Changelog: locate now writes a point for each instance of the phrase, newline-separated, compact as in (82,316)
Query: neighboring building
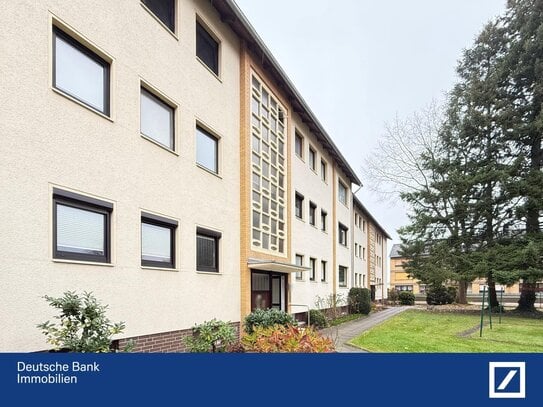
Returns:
(399,279)
(155,154)
(369,254)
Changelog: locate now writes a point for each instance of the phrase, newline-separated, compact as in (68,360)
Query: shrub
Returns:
(266,318)
(439,295)
(331,305)
(406,298)
(292,339)
(453,292)
(211,337)
(317,318)
(359,300)
(82,324)
(393,295)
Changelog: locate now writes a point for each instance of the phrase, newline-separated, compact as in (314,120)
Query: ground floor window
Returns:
(207,250)
(157,241)
(81,227)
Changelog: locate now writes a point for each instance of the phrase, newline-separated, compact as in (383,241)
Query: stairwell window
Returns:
(342,276)
(81,227)
(323,271)
(299,206)
(313,270)
(312,159)
(299,262)
(80,73)
(312,214)
(342,193)
(299,145)
(323,220)
(342,235)
(207,48)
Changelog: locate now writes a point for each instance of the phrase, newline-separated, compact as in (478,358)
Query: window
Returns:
(299,262)
(164,10)
(312,159)
(81,227)
(299,145)
(207,150)
(342,234)
(157,119)
(323,220)
(313,271)
(323,271)
(207,250)
(324,175)
(207,48)
(157,241)
(342,277)
(356,249)
(363,225)
(299,206)
(80,73)
(342,193)
(364,253)
(312,210)
(404,288)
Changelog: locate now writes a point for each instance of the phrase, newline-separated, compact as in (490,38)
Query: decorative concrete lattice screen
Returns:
(268,124)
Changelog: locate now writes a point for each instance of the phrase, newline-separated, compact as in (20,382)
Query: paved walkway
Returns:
(343,333)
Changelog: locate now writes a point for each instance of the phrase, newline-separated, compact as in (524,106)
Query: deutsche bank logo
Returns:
(506,380)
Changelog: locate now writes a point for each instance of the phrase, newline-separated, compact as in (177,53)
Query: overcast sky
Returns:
(359,63)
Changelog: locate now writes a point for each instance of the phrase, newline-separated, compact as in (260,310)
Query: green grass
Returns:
(419,331)
(345,318)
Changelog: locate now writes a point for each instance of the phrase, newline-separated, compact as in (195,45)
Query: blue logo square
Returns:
(507,379)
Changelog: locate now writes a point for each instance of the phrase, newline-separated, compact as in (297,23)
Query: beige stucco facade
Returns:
(311,241)
(51,141)
(48,140)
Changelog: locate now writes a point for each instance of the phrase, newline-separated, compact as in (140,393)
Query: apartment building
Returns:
(399,279)
(369,252)
(169,166)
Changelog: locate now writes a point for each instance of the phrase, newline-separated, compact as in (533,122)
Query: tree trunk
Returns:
(462,292)
(492,297)
(527,297)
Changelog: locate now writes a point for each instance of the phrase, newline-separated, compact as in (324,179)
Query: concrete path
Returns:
(343,333)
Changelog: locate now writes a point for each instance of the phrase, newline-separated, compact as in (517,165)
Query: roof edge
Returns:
(255,38)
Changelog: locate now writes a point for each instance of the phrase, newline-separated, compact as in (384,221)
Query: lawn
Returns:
(420,331)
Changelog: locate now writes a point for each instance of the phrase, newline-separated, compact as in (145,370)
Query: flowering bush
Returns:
(290,339)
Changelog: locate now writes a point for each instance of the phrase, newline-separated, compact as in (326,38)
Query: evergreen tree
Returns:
(523,70)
